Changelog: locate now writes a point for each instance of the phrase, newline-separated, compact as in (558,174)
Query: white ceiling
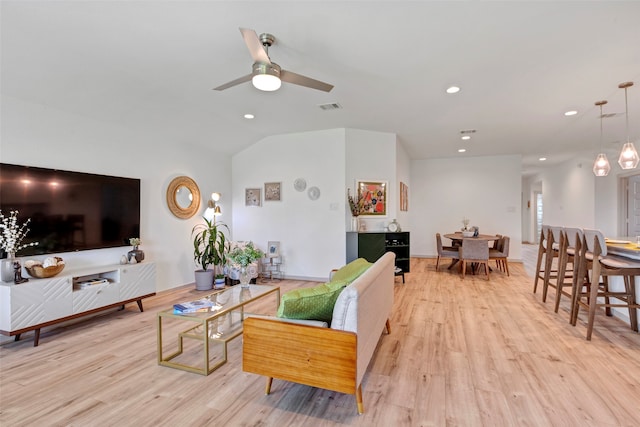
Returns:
(151,65)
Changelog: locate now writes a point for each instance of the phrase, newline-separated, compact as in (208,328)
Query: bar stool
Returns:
(553,252)
(566,256)
(603,265)
(542,251)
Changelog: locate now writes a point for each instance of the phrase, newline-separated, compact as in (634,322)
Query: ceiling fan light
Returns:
(601,166)
(628,156)
(266,82)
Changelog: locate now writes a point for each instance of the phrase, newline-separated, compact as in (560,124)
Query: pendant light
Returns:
(601,166)
(628,156)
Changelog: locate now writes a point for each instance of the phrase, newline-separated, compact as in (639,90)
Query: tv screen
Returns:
(70,211)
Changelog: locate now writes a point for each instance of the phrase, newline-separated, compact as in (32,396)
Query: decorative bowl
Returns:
(40,272)
(468,233)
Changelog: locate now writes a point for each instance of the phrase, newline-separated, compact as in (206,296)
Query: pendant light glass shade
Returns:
(601,166)
(628,156)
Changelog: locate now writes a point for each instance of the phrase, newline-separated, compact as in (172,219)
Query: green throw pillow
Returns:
(311,303)
(351,271)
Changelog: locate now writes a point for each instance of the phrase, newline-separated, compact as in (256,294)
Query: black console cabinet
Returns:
(372,246)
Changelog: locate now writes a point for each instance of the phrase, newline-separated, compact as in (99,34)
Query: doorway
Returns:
(633,206)
(539,211)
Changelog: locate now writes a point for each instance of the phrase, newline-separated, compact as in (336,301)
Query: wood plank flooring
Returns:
(461,353)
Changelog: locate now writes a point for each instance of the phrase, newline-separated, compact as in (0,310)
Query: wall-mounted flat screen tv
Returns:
(70,211)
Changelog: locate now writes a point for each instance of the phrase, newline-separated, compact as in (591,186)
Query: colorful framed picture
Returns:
(373,196)
(252,197)
(272,191)
(404,197)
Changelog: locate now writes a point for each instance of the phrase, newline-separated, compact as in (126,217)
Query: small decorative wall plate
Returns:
(314,193)
(300,184)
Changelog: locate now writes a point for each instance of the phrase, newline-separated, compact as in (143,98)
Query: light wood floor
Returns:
(461,353)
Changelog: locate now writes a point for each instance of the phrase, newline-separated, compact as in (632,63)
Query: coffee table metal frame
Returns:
(238,297)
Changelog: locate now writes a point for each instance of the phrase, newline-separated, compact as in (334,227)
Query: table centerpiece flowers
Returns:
(242,256)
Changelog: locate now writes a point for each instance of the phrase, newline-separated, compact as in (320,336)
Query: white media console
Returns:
(38,303)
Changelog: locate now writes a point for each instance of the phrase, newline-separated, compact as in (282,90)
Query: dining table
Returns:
(457,238)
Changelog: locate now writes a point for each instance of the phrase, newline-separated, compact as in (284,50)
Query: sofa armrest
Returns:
(310,355)
(318,323)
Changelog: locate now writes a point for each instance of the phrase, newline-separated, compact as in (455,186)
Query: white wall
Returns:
(38,135)
(403,174)
(371,156)
(311,232)
(568,194)
(487,190)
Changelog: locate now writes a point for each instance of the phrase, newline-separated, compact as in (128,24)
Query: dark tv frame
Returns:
(97,211)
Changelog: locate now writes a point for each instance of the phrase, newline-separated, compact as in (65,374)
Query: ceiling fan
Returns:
(267,75)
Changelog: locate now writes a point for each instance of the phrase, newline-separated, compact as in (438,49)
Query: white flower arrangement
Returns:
(13,234)
(465,222)
(134,241)
(243,255)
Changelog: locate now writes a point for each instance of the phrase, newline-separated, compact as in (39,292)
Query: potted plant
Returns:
(242,256)
(219,281)
(209,248)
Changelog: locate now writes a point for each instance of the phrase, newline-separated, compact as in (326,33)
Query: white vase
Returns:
(8,273)
(245,277)
(355,224)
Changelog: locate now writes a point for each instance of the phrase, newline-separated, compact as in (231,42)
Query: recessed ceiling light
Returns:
(453,89)
(466,137)
(249,116)
(571,113)
(462,150)
(542,159)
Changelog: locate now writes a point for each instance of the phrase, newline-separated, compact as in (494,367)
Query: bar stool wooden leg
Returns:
(630,285)
(593,297)
(541,252)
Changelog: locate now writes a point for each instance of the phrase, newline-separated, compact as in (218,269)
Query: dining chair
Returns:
(594,293)
(474,251)
(444,251)
(501,253)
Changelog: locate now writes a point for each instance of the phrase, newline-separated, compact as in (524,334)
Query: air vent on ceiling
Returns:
(468,131)
(331,106)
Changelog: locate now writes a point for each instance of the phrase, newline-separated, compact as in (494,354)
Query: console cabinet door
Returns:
(137,280)
(95,297)
(34,302)
(371,246)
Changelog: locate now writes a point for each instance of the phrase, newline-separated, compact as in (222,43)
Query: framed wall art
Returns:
(273,249)
(404,197)
(272,191)
(373,196)
(252,197)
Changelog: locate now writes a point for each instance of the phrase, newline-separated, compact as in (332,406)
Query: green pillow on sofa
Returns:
(351,271)
(311,303)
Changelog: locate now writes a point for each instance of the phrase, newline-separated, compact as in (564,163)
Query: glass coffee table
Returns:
(211,329)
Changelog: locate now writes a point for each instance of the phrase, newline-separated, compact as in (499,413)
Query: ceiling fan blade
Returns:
(255,47)
(297,79)
(234,82)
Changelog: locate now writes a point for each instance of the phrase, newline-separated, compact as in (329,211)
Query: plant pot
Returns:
(204,280)
(219,282)
(135,253)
